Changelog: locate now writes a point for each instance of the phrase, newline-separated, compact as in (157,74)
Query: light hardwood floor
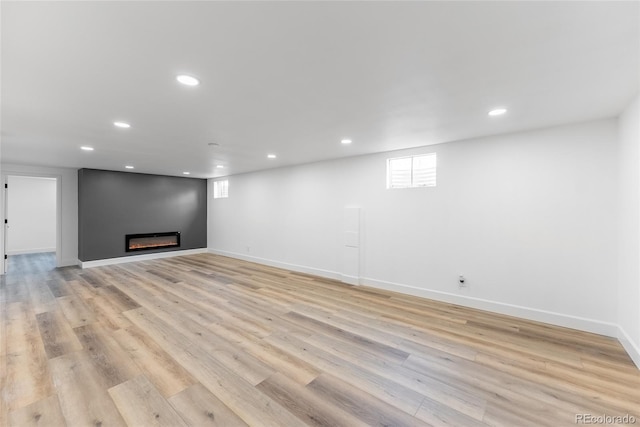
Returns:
(207,340)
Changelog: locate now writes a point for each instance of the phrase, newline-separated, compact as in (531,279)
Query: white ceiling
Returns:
(294,78)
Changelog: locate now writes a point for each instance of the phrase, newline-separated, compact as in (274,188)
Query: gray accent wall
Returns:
(113,204)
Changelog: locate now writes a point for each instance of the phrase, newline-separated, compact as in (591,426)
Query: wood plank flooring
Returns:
(205,340)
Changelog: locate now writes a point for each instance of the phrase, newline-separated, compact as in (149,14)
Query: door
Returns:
(31,217)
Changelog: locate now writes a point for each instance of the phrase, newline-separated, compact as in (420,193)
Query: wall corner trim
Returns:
(145,257)
(632,349)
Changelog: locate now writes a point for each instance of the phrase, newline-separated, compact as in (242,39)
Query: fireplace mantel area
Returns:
(122,214)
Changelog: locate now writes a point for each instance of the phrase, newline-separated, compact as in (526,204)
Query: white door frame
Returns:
(58,178)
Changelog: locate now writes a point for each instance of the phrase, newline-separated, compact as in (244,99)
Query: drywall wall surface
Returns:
(629,226)
(529,219)
(31,211)
(113,204)
(67,214)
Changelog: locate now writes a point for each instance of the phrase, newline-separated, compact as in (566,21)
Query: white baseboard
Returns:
(132,258)
(553,318)
(30,251)
(632,349)
(559,319)
(352,280)
(293,267)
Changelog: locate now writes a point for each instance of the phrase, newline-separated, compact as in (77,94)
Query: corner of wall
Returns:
(632,350)
(628,280)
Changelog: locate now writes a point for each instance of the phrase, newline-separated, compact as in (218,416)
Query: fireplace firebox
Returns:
(148,241)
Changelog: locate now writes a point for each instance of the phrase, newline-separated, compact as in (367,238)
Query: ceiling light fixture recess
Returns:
(187,80)
(123,125)
(345,141)
(497,111)
(220,166)
(85,148)
(271,156)
(128,167)
(186,173)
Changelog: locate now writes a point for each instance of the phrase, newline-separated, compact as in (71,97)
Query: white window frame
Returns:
(221,189)
(411,181)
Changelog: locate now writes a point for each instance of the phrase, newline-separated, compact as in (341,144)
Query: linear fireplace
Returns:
(148,241)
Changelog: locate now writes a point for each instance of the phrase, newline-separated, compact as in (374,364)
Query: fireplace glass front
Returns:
(148,241)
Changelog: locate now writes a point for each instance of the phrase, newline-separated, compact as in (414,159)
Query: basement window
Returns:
(220,189)
(412,171)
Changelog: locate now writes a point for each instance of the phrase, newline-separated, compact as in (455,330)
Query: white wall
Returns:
(67,214)
(31,210)
(528,218)
(629,230)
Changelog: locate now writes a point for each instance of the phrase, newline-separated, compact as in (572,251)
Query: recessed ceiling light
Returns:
(186,173)
(220,166)
(271,156)
(346,141)
(122,125)
(85,148)
(187,80)
(129,167)
(497,112)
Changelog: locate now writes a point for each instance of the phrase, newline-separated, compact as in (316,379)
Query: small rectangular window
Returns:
(411,172)
(220,189)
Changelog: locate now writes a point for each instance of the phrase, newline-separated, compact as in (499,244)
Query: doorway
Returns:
(31,218)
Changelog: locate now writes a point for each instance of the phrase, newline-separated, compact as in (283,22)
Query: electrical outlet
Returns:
(462,282)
